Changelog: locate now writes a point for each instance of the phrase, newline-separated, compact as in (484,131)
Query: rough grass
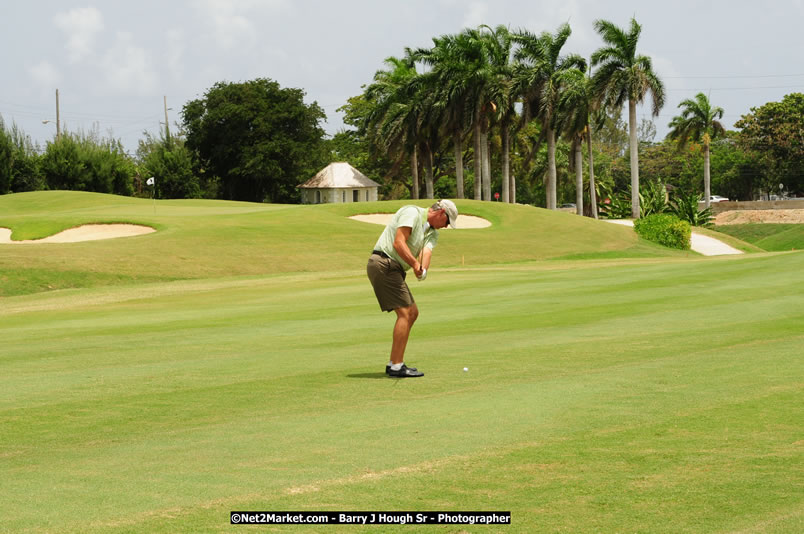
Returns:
(658,394)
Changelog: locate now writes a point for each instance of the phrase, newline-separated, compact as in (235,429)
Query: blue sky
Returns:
(113,62)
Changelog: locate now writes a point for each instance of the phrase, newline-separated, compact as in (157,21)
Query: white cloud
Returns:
(233,21)
(230,26)
(45,74)
(81,25)
(175,53)
(127,68)
(476,14)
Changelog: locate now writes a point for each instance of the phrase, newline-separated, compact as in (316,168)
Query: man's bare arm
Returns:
(401,247)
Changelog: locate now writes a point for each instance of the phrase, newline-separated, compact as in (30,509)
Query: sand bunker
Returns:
(87,232)
(464,221)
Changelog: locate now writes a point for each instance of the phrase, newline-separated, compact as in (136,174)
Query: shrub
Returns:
(652,200)
(685,207)
(82,162)
(170,163)
(665,229)
(612,205)
(19,162)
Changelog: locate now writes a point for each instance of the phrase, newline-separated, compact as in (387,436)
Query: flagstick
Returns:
(152,182)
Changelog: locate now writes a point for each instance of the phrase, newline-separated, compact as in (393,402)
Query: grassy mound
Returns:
(208,239)
(772,237)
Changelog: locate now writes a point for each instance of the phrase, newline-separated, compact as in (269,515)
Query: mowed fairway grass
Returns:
(233,360)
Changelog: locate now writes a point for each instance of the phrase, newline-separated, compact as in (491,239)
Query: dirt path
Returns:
(760,216)
(702,244)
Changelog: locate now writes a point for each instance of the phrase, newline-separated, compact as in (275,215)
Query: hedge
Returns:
(667,230)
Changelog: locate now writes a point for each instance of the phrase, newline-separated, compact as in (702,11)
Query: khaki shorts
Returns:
(388,279)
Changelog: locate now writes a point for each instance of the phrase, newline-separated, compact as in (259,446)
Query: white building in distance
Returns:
(338,182)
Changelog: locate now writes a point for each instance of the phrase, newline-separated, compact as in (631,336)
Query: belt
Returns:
(380,253)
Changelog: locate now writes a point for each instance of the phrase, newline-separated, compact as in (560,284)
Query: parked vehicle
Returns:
(717,198)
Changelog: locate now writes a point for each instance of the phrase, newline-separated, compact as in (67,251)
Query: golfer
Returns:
(406,243)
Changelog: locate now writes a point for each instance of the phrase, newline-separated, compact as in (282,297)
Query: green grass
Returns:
(768,236)
(198,239)
(614,394)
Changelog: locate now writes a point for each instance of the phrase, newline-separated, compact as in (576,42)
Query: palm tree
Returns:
(487,43)
(625,76)
(575,108)
(502,94)
(539,74)
(698,121)
(460,68)
(393,124)
(451,77)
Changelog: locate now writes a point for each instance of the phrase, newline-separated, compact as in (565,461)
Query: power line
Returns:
(741,88)
(744,76)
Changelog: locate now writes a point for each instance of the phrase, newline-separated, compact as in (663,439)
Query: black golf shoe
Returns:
(388,369)
(403,372)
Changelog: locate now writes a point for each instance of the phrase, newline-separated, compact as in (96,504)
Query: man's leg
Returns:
(405,317)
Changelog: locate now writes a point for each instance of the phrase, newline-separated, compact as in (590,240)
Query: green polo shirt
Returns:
(421,234)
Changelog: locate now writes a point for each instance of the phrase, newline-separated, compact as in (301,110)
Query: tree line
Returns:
(484,111)
(488,90)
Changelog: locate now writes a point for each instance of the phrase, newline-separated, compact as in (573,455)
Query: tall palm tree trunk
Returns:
(512,187)
(478,162)
(512,178)
(505,163)
(592,191)
(458,150)
(552,199)
(484,140)
(578,178)
(414,171)
(632,125)
(428,172)
(707,177)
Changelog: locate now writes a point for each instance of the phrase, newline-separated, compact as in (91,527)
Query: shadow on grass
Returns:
(368,375)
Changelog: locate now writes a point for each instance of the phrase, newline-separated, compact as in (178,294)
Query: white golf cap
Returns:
(451,209)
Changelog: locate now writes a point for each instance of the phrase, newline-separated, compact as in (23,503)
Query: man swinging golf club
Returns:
(406,243)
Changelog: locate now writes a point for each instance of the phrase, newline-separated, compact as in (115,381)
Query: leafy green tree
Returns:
(734,169)
(19,161)
(623,76)
(542,74)
(698,121)
(774,134)
(87,162)
(664,162)
(258,139)
(6,159)
(171,165)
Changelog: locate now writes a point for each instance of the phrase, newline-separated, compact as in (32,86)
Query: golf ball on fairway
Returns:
(465,369)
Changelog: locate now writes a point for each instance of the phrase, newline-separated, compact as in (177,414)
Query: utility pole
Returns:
(58,123)
(167,129)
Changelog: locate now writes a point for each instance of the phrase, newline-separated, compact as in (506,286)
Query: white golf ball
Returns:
(465,369)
